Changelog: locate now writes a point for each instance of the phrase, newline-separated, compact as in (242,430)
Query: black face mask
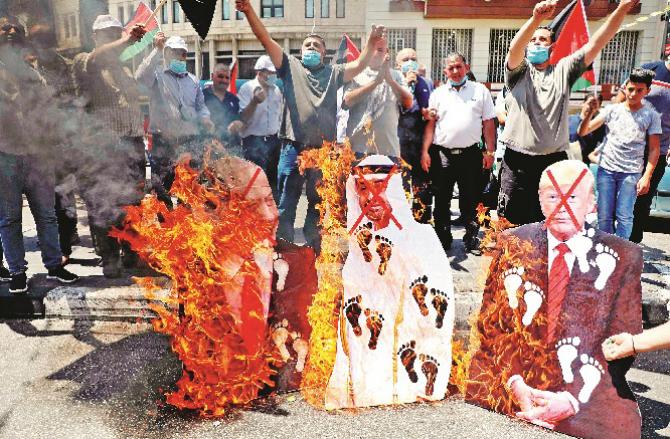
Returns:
(8,37)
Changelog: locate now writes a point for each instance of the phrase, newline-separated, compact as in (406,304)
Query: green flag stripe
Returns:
(138,47)
(581,84)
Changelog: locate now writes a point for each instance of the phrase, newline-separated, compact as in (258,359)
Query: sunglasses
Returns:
(223,76)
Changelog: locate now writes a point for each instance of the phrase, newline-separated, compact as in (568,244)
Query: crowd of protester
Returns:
(77,125)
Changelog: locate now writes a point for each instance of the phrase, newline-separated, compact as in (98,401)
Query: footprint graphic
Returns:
(440,302)
(566,350)
(429,368)
(374,322)
(352,309)
(301,346)
(384,249)
(407,357)
(533,298)
(364,238)
(280,337)
(582,244)
(606,261)
(419,291)
(591,373)
(512,281)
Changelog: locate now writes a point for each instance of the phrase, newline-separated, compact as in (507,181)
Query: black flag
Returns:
(200,13)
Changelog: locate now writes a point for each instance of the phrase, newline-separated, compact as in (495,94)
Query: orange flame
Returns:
(335,163)
(227,357)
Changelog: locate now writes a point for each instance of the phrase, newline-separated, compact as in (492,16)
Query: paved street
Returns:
(83,378)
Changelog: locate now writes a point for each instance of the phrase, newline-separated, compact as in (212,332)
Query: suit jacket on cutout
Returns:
(507,347)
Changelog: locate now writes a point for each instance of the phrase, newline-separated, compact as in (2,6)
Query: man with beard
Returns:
(397,314)
(309,119)
(224,107)
(26,166)
(111,173)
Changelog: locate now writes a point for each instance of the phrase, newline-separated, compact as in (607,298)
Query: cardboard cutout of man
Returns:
(555,291)
(397,314)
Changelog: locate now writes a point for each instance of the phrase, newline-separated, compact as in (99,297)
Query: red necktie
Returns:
(559,275)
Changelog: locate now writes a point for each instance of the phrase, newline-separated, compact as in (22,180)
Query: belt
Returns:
(265,138)
(457,151)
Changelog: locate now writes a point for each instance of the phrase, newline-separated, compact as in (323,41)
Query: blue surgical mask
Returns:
(272,79)
(460,83)
(311,58)
(410,65)
(178,66)
(537,54)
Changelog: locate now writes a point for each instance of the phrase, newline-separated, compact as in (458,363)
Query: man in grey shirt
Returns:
(536,131)
(310,115)
(177,108)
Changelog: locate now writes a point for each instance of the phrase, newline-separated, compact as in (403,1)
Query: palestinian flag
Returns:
(234,73)
(141,15)
(346,52)
(571,32)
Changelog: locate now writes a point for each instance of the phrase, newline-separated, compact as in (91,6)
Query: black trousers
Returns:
(463,166)
(643,203)
(518,200)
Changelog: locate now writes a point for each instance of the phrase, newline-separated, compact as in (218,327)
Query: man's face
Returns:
(178,54)
(108,35)
(541,37)
(378,56)
(313,43)
(405,55)
(11,33)
(378,208)
(635,92)
(262,76)
(456,69)
(581,202)
(221,78)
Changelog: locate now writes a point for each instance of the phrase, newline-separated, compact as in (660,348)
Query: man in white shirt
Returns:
(261,104)
(459,112)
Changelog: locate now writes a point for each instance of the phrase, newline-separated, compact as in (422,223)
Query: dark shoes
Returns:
(4,274)
(62,275)
(18,283)
(471,244)
(111,269)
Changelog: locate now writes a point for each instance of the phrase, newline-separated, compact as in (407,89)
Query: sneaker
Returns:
(18,283)
(62,275)
(4,274)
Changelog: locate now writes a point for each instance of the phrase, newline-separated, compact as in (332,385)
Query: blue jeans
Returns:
(34,177)
(264,151)
(617,192)
(290,184)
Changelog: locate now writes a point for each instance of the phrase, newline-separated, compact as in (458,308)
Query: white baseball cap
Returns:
(265,63)
(176,42)
(105,22)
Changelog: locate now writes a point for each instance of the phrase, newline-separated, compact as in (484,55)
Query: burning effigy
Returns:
(554,292)
(397,313)
(217,246)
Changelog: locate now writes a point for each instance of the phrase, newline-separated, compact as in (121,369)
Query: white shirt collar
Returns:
(552,242)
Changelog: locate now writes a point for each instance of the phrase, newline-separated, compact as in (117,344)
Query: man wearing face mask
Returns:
(261,104)
(459,112)
(309,117)
(536,133)
(223,106)
(177,109)
(410,133)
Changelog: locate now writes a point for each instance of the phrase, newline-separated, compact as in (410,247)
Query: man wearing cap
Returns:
(224,107)
(111,169)
(261,103)
(309,117)
(26,167)
(177,108)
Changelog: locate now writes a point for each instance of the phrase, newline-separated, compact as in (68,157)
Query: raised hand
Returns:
(243,5)
(137,32)
(627,5)
(377,34)
(544,10)
(159,40)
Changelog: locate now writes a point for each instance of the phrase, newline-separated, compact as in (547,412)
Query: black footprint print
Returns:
(352,309)
(440,302)
(374,322)
(407,357)
(384,247)
(364,238)
(420,291)
(429,368)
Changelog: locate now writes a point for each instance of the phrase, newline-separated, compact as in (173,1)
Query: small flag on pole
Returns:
(347,51)
(234,70)
(571,33)
(141,15)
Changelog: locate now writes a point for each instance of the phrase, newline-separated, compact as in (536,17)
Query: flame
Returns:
(460,362)
(195,245)
(335,163)
(515,345)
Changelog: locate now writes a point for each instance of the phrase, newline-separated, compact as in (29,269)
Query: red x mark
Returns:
(251,183)
(376,195)
(564,198)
